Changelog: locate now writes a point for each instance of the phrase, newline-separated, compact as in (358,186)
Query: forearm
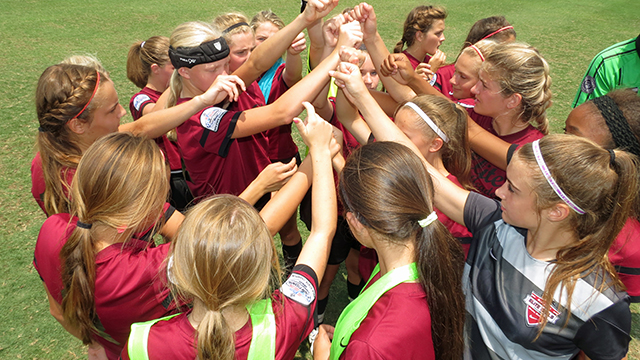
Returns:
(316,43)
(487,145)
(379,52)
(350,118)
(285,202)
(157,123)
(292,69)
(420,86)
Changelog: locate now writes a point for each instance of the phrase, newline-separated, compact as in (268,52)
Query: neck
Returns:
(188,90)
(155,84)
(392,255)
(544,242)
(435,159)
(107,236)
(235,316)
(417,52)
(508,123)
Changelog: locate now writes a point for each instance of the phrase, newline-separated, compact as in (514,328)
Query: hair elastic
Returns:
(477,51)
(498,31)
(227,30)
(612,157)
(428,220)
(428,120)
(547,175)
(95,90)
(41,129)
(83,225)
(618,125)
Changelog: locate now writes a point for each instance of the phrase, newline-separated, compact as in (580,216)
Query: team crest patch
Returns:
(588,84)
(210,118)
(535,305)
(299,289)
(139,100)
(433,80)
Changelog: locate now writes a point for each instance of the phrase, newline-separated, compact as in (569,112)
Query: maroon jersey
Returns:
(442,83)
(138,101)
(487,177)
(217,163)
(37,180)
(458,231)
(624,254)
(130,282)
(293,307)
(415,62)
(398,326)
(281,144)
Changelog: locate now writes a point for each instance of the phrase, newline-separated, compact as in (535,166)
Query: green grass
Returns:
(37,33)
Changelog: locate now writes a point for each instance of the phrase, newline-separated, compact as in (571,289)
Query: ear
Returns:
(155,68)
(354,223)
(419,36)
(514,101)
(77,126)
(185,72)
(558,212)
(436,145)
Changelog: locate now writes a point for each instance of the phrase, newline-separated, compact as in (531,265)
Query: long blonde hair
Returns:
(223,256)
(122,181)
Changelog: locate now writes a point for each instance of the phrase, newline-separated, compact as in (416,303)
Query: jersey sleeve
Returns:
(606,334)
(301,286)
(479,211)
(138,103)
(218,126)
(596,82)
(361,350)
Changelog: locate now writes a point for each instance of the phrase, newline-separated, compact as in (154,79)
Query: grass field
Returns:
(39,33)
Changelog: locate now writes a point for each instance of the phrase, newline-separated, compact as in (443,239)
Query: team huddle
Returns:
(467,229)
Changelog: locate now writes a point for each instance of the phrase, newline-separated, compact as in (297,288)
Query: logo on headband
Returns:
(217,46)
(588,84)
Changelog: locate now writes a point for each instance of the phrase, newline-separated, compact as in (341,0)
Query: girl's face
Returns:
(240,48)
(433,38)
(164,73)
(107,113)
(518,196)
(582,122)
(465,76)
(265,31)
(203,75)
(369,74)
(489,99)
(406,121)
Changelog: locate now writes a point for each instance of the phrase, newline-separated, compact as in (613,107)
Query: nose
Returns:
(453,81)
(500,191)
(476,88)
(367,78)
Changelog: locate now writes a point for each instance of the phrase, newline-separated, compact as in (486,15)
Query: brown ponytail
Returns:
(117,168)
(386,186)
(143,54)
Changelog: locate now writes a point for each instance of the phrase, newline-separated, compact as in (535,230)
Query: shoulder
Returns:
(172,339)
(620,48)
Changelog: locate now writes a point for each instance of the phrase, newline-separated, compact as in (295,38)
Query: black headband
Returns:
(226,31)
(207,52)
(618,125)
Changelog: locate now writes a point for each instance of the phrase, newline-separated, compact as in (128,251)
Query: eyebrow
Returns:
(512,185)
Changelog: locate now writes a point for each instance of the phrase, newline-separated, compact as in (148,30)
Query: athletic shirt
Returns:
(617,66)
(281,144)
(38,184)
(415,62)
(485,176)
(504,284)
(293,305)
(130,283)
(441,80)
(217,163)
(398,326)
(137,104)
(624,254)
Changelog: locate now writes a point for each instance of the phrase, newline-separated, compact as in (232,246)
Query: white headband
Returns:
(547,175)
(428,120)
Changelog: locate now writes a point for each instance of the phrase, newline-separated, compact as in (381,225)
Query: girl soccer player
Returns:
(149,68)
(423,33)
(224,260)
(546,242)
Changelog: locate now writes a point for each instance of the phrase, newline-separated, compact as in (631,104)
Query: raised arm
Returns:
(270,179)
(293,64)
(317,134)
(158,122)
(449,198)
(265,55)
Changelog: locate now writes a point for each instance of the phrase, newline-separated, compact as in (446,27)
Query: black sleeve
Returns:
(169,213)
(479,211)
(606,334)
(307,270)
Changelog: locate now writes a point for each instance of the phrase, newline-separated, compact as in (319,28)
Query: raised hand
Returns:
(275,175)
(317,9)
(365,15)
(437,60)
(315,131)
(349,79)
(398,67)
(298,45)
(424,70)
(331,30)
(350,35)
(224,87)
(352,55)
